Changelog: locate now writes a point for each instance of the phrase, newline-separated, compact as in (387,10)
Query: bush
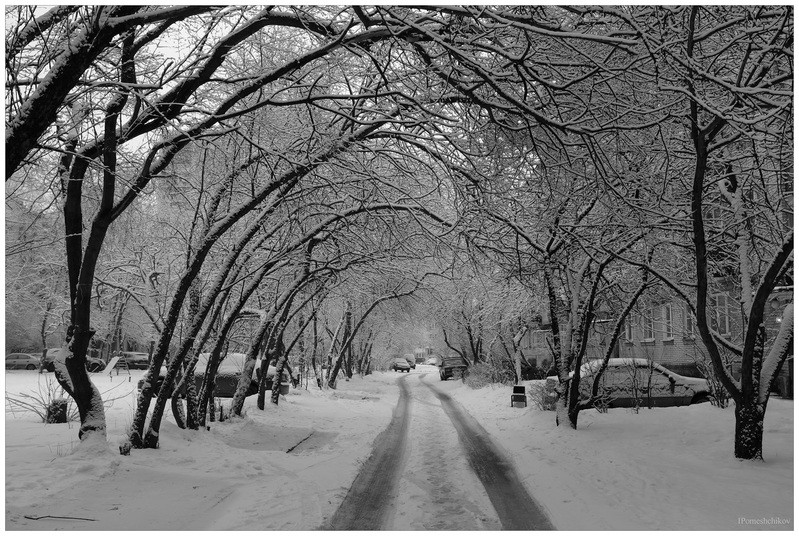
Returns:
(483,374)
(718,393)
(538,398)
(48,403)
(533,372)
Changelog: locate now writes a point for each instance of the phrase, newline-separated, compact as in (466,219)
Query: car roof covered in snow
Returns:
(595,364)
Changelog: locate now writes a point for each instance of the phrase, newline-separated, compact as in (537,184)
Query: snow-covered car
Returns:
(400,365)
(632,382)
(22,361)
(227,376)
(452,366)
(410,360)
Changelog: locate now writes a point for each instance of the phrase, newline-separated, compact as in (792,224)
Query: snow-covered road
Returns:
(435,468)
(290,467)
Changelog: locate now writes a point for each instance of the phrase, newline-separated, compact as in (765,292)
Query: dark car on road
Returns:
(629,382)
(452,366)
(22,361)
(400,364)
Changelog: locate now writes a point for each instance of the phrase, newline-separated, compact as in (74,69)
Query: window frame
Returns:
(689,323)
(667,318)
(719,314)
(629,333)
(648,326)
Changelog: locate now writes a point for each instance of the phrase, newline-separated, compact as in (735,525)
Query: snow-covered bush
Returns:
(483,374)
(537,396)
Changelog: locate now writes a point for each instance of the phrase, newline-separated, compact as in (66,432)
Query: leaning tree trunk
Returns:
(367,360)
(261,401)
(346,338)
(332,371)
(237,404)
(269,354)
(205,398)
(301,350)
(186,383)
(279,366)
(317,370)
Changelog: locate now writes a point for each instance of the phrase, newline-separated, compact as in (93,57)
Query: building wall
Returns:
(666,333)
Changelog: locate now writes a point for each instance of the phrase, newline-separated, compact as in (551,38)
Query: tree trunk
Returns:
(192,422)
(317,371)
(272,352)
(301,349)
(265,360)
(332,370)
(211,406)
(43,333)
(562,414)
(70,372)
(346,338)
(367,363)
(205,398)
(279,366)
(237,404)
(749,430)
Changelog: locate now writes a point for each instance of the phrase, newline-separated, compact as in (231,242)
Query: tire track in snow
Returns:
(369,501)
(517,510)
(436,487)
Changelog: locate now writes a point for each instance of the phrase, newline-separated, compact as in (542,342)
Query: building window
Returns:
(690,322)
(668,326)
(648,326)
(720,315)
(628,329)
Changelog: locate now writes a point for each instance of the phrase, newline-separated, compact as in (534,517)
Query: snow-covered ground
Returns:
(659,469)
(237,476)
(669,468)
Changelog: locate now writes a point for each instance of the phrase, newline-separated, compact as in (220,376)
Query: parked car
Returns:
(433,360)
(133,360)
(22,361)
(227,377)
(411,360)
(451,366)
(629,382)
(400,364)
(93,364)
